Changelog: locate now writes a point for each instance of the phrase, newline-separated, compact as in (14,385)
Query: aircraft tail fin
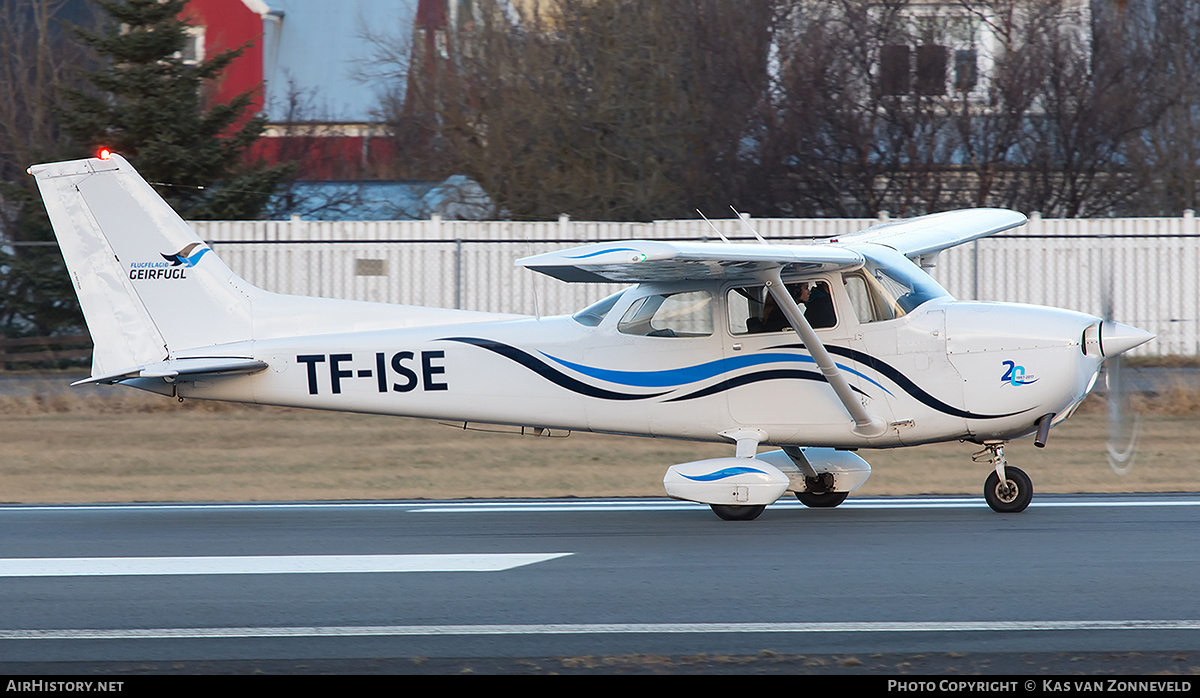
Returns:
(148,286)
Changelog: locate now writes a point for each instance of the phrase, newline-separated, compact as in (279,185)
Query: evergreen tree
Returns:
(149,104)
(36,297)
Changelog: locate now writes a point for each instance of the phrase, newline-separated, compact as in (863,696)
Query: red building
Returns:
(308,65)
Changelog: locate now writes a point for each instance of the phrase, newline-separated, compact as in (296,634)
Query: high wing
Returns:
(636,261)
(922,238)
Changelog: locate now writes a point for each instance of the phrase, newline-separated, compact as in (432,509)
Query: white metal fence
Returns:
(1149,267)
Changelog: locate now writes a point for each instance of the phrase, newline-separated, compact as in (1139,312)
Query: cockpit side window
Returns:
(870,302)
(899,280)
(888,286)
(686,314)
(752,310)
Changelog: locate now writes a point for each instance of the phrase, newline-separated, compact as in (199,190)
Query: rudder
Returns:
(148,286)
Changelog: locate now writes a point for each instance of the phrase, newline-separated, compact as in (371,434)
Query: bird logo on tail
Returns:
(186,256)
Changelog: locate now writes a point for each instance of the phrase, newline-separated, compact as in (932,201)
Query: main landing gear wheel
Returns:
(731,512)
(822,500)
(818,492)
(1012,496)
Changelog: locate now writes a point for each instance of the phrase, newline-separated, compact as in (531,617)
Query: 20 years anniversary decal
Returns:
(1015,375)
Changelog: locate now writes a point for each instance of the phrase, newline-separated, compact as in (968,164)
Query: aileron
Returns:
(923,237)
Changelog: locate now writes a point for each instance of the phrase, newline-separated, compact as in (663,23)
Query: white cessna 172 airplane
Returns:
(820,349)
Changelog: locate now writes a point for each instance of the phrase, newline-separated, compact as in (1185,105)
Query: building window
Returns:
(193,47)
(966,71)
(931,70)
(920,62)
(894,69)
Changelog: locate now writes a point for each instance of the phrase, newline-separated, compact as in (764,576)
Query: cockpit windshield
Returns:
(889,285)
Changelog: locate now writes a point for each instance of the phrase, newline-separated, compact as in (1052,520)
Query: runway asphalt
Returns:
(552,586)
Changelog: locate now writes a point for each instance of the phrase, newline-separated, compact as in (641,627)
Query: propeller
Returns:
(1124,423)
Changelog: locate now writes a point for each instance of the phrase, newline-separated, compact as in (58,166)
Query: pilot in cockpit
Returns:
(816,303)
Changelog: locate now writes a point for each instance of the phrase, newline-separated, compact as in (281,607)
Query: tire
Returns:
(737,513)
(1014,500)
(824,500)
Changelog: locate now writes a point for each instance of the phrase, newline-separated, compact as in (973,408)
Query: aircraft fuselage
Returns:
(946,370)
(818,348)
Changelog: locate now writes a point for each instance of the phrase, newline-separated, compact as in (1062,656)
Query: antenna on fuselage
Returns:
(537,311)
(715,230)
(742,219)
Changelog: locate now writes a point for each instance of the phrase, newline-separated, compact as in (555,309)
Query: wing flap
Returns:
(637,261)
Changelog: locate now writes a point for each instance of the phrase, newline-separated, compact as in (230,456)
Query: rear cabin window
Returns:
(595,313)
(669,315)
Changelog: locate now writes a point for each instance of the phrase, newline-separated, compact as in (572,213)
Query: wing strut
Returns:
(864,424)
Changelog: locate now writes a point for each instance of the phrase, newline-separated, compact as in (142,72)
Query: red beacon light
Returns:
(104,154)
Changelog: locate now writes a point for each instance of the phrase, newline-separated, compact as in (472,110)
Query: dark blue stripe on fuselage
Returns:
(549,373)
(893,374)
(575,385)
(747,379)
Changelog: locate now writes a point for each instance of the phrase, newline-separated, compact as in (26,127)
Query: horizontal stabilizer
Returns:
(186,369)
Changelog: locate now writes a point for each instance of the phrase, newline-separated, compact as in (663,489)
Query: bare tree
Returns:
(992,121)
(1165,158)
(38,58)
(640,109)
(859,117)
(630,109)
(1095,101)
(1048,105)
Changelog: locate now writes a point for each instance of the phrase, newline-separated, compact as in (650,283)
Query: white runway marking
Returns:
(265,564)
(615,505)
(597,629)
(787,503)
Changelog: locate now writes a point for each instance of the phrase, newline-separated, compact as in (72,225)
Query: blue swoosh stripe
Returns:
(593,254)
(756,377)
(565,381)
(548,372)
(723,473)
(674,377)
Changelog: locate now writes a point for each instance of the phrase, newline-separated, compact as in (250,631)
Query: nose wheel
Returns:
(1007,490)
